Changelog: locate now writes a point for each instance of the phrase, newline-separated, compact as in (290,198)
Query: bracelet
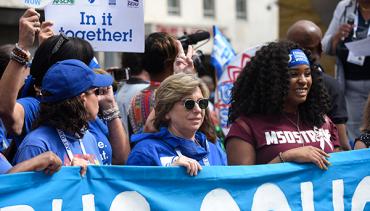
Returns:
(18,59)
(19,55)
(364,138)
(110,114)
(21,52)
(281,157)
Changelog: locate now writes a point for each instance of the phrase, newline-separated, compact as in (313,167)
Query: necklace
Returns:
(297,126)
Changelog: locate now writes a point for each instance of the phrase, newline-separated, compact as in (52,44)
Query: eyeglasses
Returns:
(202,103)
(62,39)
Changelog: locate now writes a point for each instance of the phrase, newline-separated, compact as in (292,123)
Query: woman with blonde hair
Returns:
(186,137)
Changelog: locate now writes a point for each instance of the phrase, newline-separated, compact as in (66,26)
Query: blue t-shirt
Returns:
(159,149)
(46,138)
(4,141)
(98,128)
(31,108)
(4,164)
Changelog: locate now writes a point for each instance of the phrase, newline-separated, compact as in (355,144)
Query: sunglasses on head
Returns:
(62,39)
(202,103)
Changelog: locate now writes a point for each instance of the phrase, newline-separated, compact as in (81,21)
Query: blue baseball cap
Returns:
(70,78)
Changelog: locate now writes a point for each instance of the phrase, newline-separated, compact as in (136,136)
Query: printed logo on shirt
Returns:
(112,2)
(166,161)
(103,154)
(295,137)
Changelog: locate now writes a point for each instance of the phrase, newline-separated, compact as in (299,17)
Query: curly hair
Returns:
(68,115)
(172,90)
(263,86)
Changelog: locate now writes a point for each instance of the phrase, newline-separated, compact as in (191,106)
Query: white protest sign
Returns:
(36,3)
(109,25)
(226,83)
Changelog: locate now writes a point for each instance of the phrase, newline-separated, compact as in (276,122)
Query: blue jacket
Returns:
(159,149)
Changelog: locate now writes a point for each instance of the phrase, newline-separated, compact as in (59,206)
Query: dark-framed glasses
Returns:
(62,39)
(189,104)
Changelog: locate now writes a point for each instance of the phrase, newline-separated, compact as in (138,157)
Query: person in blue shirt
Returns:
(19,115)
(47,162)
(67,104)
(185,137)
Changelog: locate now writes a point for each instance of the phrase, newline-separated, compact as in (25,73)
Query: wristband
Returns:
(110,114)
(19,55)
(365,138)
(281,157)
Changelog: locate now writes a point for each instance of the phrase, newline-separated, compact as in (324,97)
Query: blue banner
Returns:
(222,51)
(286,186)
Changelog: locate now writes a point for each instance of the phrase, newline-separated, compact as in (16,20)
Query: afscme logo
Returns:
(133,3)
(91,1)
(63,2)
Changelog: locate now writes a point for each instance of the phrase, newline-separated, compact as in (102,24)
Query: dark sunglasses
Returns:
(62,39)
(189,103)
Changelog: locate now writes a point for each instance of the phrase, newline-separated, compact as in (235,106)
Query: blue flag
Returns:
(222,51)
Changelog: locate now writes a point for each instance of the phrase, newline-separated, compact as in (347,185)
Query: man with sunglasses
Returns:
(186,136)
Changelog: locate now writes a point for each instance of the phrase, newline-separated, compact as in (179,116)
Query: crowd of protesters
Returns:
(57,110)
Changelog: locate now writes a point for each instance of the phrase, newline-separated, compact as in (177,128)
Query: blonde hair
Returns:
(172,90)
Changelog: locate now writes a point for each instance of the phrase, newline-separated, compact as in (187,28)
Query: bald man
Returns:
(309,35)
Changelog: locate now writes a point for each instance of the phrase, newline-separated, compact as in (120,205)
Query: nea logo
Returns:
(133,3)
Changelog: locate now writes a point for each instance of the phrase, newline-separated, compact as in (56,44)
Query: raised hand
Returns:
(106,98)
(45,31)
(184,63)
(29,26)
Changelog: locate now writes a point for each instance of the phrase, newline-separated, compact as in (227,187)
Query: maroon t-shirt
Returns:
(270,135)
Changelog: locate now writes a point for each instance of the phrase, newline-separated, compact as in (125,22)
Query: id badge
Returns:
(358,60)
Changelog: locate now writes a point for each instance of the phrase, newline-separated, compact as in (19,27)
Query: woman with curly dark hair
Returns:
(278,110)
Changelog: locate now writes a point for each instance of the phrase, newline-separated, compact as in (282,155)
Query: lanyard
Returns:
(355,25)
(65,142)
(205,159)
